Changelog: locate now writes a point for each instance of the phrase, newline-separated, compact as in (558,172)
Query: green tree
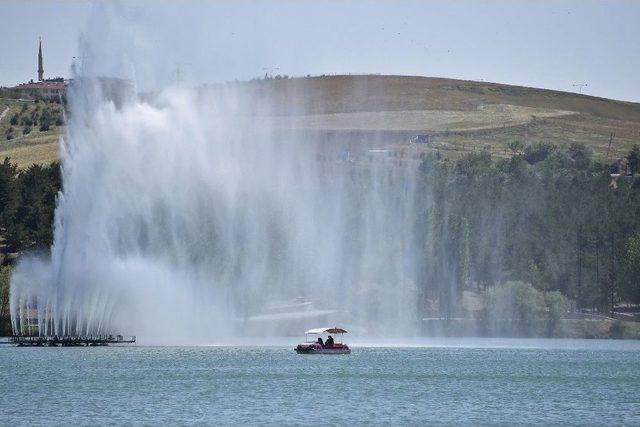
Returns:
(514,308)
(631,267)
(5,318)
(5,276)
(10,133)
(29,222)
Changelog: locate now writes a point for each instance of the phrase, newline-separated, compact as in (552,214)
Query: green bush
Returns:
(516,147)
(535,153)
(519,309)
(10,133)
(26,121)
(513,309)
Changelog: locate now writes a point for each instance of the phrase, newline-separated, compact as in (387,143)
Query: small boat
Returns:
(320,346)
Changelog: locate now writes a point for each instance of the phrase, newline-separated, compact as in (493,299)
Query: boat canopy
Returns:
(334,330)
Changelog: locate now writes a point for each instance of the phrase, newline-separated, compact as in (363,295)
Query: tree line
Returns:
(27,205)
(555,218)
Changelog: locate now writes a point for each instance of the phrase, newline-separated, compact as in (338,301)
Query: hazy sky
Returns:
(548,44)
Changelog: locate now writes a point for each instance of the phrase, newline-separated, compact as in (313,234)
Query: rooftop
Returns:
(41,85)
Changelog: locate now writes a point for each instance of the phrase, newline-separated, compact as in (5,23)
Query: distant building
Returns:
(49,89)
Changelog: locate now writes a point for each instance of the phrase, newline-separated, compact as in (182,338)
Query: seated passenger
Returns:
(329,341)
(320,342)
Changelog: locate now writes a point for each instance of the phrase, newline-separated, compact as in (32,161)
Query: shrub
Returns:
(513,309)
(581,156)
(538,152)
(10,133)
(516,147)
(519,309)
(26,121)
(557,305)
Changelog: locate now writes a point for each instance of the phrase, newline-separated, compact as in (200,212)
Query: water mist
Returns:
(185,212)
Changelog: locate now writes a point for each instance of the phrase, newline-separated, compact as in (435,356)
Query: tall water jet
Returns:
(188,211)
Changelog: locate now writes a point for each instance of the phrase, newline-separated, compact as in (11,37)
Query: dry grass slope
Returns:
(388,110)
(462,115)
(35,147)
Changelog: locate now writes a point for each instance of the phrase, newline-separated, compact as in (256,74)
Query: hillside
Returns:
(24,139)
(459,115)
(373,111)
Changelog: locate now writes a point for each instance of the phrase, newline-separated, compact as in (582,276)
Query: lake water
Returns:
(432,381)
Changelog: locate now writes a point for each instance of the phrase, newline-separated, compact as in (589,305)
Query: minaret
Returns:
(40,68)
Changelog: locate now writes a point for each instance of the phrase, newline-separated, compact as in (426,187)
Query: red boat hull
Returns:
(315,348)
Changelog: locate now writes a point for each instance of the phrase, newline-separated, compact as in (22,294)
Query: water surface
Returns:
(452,382)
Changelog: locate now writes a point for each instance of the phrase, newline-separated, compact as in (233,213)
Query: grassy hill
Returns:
(372,110)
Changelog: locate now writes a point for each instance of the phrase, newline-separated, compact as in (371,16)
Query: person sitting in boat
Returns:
(320,342)
(329,342)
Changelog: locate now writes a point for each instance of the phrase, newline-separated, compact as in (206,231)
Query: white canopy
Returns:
(334,330)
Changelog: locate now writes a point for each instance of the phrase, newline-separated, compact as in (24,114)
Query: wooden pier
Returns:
(69,340)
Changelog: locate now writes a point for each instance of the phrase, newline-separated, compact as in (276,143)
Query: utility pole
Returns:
(580,86)
(180,72)
(77,65)
(611,136)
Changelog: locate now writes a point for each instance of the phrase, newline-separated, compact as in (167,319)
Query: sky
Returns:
(546,44)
